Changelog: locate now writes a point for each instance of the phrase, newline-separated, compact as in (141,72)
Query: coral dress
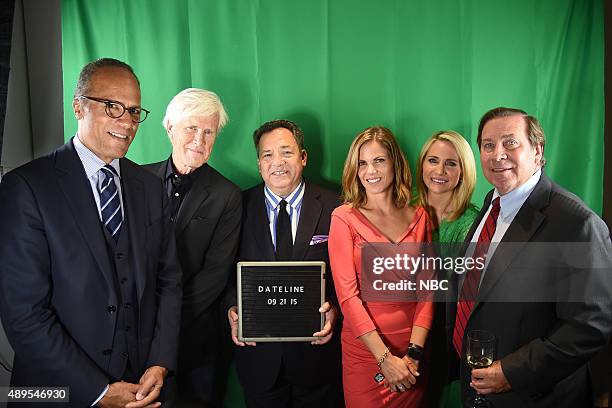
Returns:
(349,230)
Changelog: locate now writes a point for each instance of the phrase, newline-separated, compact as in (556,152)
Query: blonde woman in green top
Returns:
(446,177)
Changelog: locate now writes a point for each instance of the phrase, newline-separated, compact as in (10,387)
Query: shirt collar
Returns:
(294,199)
(171,171)
(92,163)
(512,201)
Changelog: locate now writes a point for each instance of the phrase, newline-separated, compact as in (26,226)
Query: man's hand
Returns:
(232,316)
(149,387)
(328,328)
(119,394)
(490,380)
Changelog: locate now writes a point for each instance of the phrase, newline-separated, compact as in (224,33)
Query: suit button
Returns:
(120,255)
(124,354)
(123,280)
(107,352)
(111,309)
(128,305)
(127,328)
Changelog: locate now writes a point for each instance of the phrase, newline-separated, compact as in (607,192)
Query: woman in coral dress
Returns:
(376,335)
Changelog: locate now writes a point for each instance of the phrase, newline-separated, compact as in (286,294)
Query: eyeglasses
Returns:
(116,109)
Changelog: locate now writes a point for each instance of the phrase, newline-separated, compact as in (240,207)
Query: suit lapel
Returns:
(257,222)
(160,169)
(193,200)
(309,218)
(134,202)
(79,199)
(519,233)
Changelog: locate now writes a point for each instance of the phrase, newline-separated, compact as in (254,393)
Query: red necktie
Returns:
(469,290)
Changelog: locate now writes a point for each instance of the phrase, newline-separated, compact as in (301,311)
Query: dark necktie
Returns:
(469,290)
(284,240)
(110,205)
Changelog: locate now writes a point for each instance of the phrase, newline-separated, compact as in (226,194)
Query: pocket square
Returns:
(318,239)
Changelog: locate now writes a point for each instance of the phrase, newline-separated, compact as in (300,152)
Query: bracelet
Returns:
(415,352)
(383,357)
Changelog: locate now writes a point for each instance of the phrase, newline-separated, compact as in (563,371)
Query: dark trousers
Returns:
(203,366)
(286,395)
(201,387)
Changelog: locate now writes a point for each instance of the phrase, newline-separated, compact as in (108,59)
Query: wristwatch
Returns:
(415,352)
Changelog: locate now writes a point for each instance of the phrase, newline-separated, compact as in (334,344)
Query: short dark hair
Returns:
(535,133)
(276,124)
(90,69)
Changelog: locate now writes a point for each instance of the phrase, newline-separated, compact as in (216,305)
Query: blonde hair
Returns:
(195,102)
(462,193)
(353,191)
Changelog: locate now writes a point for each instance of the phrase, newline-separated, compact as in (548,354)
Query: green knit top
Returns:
(455,231)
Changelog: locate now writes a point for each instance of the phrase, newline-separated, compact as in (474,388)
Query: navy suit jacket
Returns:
(58,295)
(544,343)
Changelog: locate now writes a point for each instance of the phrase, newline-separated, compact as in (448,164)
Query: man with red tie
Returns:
(549,314)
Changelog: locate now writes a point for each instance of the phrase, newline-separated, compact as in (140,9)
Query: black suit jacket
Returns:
(58,295)
(207,230)
(544,346)
(258,367)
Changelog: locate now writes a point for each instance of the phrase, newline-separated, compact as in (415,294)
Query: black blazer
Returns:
(207,230)
(544,346)
(258,366)
(58,295)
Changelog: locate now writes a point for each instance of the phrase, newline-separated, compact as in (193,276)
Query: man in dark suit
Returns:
(206,210)
(545,290)
(287,374)
(90,290)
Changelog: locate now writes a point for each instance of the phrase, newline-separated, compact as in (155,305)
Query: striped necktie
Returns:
(471,283)
(110,205)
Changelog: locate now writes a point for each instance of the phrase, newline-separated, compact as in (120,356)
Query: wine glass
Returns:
(480,354)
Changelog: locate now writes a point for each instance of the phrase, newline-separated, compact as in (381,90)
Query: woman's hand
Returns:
(400,375)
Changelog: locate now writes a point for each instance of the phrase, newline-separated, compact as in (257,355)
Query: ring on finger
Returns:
(401,388)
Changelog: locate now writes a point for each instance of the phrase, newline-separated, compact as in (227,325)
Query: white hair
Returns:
(195,102)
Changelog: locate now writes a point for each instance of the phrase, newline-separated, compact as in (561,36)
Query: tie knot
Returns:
(282,206)
(495,207)
(108,170)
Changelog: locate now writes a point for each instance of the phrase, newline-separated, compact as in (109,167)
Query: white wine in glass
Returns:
(480,354)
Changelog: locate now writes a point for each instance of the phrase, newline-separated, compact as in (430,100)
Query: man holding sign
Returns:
(287,219)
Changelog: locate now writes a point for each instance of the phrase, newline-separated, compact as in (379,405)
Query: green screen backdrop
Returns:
(338,66)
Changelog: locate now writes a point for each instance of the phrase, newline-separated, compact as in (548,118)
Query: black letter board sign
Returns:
(280,301)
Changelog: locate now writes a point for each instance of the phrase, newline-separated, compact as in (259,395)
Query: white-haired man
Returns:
(206,211)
